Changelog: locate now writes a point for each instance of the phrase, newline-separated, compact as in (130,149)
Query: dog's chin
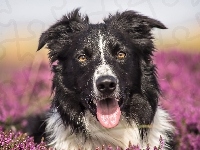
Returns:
(107,111)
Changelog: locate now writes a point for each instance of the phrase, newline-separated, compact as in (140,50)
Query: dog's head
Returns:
(104,68)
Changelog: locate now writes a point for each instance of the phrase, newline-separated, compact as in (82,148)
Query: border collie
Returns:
(105,90)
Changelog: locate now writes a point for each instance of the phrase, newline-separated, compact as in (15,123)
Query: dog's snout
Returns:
(106,84)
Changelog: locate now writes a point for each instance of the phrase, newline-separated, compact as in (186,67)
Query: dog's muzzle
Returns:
(108,110)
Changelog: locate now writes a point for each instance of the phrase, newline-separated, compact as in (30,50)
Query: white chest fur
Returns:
(118,136)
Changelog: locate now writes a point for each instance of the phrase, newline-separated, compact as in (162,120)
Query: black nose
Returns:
(106,84)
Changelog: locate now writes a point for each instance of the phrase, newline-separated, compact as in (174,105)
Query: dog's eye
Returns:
(121,55)
(82,58)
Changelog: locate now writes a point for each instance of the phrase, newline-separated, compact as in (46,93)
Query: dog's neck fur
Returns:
(61,137)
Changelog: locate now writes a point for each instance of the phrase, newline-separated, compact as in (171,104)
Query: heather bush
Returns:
(18,141)
(179,78)
(25,92)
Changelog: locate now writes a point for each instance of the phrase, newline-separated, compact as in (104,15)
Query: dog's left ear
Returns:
(137,28)
(133,23)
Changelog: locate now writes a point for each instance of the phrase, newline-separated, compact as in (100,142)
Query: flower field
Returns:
(179,77)
(28,91)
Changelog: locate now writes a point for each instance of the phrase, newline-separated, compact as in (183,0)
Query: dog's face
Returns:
(98,69)
(104,68)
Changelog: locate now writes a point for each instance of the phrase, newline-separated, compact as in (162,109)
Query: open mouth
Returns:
(108,112)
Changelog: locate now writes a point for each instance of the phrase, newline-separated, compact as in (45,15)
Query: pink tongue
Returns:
(108,113)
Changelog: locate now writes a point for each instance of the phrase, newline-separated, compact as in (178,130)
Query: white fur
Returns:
(101,48)
(118,136)
(103,69)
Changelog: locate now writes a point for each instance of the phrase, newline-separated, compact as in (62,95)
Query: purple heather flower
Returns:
(179,78)
(25,92)
(17,140)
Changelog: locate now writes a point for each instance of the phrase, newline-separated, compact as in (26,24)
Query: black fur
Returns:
(74,35)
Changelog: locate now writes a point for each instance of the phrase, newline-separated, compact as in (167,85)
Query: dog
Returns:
(105,88)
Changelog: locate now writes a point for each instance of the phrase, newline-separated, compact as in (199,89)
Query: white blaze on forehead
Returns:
(101,48)
(104,69)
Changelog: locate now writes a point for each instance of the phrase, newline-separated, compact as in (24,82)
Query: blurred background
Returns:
(25,77)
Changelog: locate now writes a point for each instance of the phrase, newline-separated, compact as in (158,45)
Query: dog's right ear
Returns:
(60,32)
(43,40)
